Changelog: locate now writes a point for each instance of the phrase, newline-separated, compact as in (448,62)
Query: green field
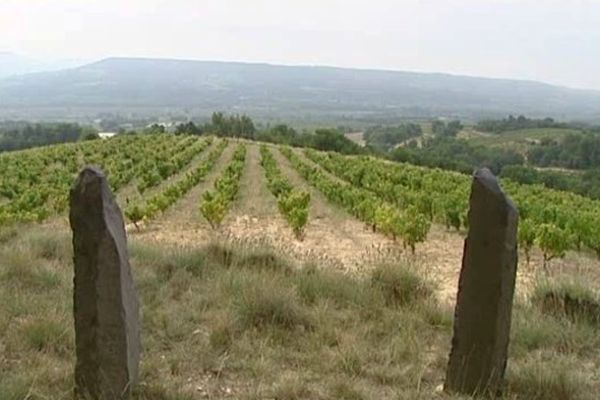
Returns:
(519,139)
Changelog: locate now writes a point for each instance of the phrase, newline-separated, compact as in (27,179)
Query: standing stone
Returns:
(107,335)
(485,291)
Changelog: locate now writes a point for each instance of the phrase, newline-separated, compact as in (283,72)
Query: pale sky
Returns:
(548,40)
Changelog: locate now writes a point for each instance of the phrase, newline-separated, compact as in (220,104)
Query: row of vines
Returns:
(408,224)
(148,208)
(396,199)
(292,203)
(554,221)
(214,204)
(34,184)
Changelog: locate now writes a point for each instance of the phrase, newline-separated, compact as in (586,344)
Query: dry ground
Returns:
(234,322)
(356,137)
(333,239)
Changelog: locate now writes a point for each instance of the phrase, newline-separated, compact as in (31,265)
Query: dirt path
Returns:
(334,236)
(254,217)
(440,256)
(254,199)
(181,224)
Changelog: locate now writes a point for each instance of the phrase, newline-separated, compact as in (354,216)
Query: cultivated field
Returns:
(518,139)
(243,297)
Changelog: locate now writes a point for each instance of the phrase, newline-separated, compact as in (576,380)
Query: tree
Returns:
(91,136)
(232,126)
(449,129)
(155,129)
(188,128)
(385,138)
(332,140)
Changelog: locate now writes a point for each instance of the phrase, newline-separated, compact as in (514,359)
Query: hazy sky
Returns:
(548,40)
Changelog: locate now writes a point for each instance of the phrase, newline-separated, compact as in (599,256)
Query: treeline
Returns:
(457,155)
(321,139)
(220,124)
(584,183)
(516,123)
(242,126)
(385,138)
(22,135)
(446,129)
(574,151)
(462,156)
(443,150)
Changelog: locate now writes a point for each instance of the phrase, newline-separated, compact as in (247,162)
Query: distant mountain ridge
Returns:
(12,64)
(198,87)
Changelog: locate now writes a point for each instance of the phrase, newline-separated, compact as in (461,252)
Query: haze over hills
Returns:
(196,88)
(12,64)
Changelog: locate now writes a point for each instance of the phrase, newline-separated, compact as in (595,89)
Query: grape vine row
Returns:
(293,204)
(553,220)
(149,208)
(408,224)
(215,203)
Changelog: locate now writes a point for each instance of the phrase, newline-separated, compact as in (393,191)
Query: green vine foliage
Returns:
(293,204)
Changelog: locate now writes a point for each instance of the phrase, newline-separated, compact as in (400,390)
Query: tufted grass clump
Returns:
(263,302)
(570,299)
(400,285)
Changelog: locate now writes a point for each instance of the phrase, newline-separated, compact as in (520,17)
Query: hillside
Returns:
(238,305)
(357,208)
(198,88)
(518,139)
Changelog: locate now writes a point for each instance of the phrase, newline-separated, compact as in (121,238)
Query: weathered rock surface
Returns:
(485,293)
(105,302)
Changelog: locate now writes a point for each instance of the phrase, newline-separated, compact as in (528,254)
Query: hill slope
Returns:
(247,310)
(200,87)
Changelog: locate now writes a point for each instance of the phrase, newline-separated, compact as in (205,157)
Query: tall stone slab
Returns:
(486,287)
(106,307)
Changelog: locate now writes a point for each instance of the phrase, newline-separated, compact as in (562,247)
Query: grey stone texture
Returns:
(486,287)
(106,308)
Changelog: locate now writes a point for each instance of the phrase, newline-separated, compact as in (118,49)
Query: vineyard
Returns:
(400,202)
(554,221)
(261,267)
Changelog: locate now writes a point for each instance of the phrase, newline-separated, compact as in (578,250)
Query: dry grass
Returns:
(234,321)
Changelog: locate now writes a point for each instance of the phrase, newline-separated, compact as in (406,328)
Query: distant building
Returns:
(106,135)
